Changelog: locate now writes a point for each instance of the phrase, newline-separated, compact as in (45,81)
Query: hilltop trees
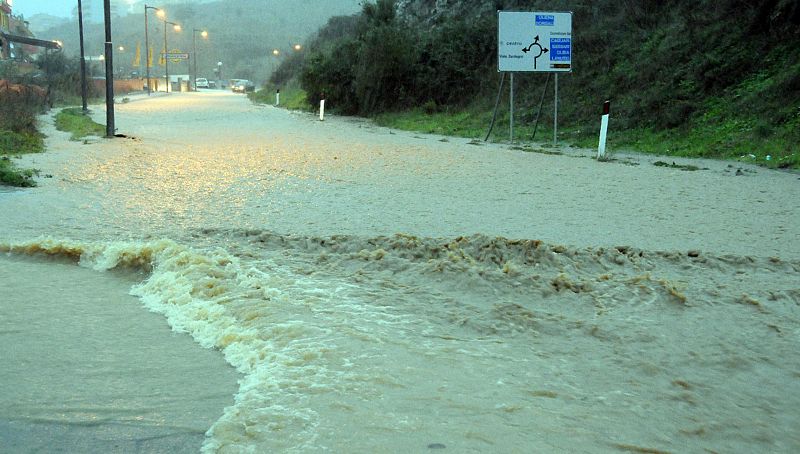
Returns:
(376,61)
(664,64)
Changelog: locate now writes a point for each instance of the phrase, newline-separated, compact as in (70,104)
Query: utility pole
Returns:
(109,55)
(83,59)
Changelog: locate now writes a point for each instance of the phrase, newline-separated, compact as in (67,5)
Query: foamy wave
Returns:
(313,323)
(192,290)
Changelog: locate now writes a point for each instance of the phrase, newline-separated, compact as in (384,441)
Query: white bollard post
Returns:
(277,97)
(601,147)
(321,110)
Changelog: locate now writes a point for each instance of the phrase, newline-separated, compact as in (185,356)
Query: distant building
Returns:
(5,27)
(16,40)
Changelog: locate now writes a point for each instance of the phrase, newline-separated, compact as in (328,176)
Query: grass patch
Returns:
(21,142)
(291,98)
(713,135)
(719,132)
(14,144)
(13,176)
(74,121)
(732,140)
(467,124)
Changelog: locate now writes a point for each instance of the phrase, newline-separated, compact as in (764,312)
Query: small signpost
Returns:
(601,147)
(534,42)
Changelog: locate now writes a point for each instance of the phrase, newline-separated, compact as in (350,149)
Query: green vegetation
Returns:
(292,98)
(18,134)
(74,121)
(715,79)
(13,144)
(21,142)
(13,176)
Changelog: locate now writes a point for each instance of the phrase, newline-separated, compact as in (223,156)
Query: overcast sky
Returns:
(28,8)
(62,8)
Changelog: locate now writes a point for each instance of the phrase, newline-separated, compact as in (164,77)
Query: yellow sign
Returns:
(137,59)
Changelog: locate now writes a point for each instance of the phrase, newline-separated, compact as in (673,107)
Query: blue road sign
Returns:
(560,49)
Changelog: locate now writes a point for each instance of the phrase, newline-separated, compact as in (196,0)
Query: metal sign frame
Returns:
(539,41)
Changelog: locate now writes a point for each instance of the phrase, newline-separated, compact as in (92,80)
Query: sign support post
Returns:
(555,113)
(511,106)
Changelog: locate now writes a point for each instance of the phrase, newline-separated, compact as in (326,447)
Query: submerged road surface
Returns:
(216,160)
(382,291)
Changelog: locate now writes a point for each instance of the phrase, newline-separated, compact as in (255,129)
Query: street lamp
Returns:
(159,13)
(177,28)
(219,73)
(83,59)
(204,34)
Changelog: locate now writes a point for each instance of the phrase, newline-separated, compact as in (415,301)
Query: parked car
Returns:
(243,86)
(201,82)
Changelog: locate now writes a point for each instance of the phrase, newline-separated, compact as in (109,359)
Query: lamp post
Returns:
(83,59)
(121,66)
(219,73)
(204,34)
(159,13)
(177,28)
(274,63)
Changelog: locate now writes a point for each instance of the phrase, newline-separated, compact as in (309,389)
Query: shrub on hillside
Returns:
(19,105)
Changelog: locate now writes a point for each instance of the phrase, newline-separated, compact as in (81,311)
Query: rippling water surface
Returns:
(366,289)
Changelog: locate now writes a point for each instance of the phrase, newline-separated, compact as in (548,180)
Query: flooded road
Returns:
(385,291)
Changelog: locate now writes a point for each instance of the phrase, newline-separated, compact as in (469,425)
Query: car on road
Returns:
(201,82)
(243,86)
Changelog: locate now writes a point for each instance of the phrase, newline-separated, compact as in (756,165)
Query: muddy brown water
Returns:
(336,286)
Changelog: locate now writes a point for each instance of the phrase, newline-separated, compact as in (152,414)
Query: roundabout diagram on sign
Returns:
(542,50)
(536,41)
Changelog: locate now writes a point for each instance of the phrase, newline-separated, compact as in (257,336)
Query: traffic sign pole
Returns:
(511,107)
(555,114)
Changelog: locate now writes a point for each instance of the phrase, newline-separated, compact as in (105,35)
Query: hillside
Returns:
(707,78)
(242,33)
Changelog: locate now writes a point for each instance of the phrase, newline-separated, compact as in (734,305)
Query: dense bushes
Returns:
(375,62)
(666,66)
(63,76)
(19,105)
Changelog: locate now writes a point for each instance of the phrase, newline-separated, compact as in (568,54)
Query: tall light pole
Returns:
(109,57)
(177,28)
(159,13)
(83,61)
(275,53)
(204,34)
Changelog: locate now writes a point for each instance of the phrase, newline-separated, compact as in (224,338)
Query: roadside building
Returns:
(5,27)
(17,42)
